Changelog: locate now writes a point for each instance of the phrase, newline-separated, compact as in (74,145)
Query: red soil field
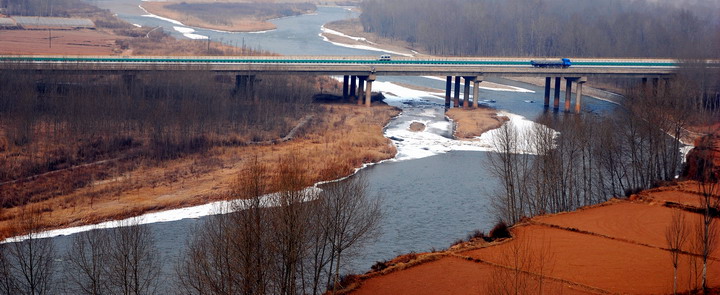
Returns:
(615,247)
(67,42)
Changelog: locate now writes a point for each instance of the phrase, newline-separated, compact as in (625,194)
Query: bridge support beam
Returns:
(128,81)
(556,99)
(476,91)
(578,97)
(361,89)
(368,91)
(246,84)
(547,92)
(448,89)
(568,92)
(353,86)
(466,92)
(346,80)
(456,102)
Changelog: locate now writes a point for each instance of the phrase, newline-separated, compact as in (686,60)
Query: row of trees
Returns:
(296,241)
(298,247)
(51,122)
(594,158)
(123,260)
(613,28)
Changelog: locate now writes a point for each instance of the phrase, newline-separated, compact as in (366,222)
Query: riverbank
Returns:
(227,16)
(333,143)
(615,247)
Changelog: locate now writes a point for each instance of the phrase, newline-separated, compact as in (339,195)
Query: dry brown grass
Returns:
(471,123)
(342,139)
(241,24)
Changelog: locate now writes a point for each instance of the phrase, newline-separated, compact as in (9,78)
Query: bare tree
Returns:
(31,260)
(675,235)
(710,205)
(133,258)
(349,217)
(87,261)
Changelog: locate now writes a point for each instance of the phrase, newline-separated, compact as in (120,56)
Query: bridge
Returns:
(359,72)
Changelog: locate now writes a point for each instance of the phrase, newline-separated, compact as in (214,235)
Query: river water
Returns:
(437,189)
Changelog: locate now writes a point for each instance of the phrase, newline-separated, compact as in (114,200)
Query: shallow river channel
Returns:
(437,189)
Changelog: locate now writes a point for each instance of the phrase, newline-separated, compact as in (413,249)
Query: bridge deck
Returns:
(344,65)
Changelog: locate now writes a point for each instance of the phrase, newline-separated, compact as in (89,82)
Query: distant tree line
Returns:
(613,28)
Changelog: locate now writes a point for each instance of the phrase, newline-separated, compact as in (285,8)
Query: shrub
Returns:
(500,231)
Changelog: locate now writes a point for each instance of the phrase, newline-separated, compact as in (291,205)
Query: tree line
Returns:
(592,158)
(51,122)
(297,241)
(613,28)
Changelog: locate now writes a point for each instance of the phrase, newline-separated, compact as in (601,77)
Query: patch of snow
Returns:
(221,207)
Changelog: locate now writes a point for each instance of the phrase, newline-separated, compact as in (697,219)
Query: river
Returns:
(435,192)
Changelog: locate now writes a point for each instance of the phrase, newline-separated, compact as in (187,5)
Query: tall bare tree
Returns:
(32,259)
(134,261)
(349,217)
(675,235)
(87,263)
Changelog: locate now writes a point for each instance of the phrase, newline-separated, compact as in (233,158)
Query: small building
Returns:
(38,22)
(7,23)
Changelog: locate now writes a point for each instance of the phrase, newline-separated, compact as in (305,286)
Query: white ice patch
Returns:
(512,88)
(160,17)
(269,200)
(430,142)
(362,47)
(189,33)
(333,32)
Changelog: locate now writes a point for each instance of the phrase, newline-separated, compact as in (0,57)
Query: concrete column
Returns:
(556,100)
(568,93)
(476,92)
(129,81)
(547,91)
(578,97)
(346,80)
(456,102)
(353,86)
(466,92)
(448,87)
(246,85)
(656,85)
(644,87)
(361,89)
(368,91)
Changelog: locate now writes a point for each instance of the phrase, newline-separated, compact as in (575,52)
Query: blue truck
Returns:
(551,63)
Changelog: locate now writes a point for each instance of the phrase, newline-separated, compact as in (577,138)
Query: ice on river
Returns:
(269,200)
(424,107)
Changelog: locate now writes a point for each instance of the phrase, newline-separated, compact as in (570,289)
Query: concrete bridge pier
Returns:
(353,86)
(128,81)
(346,80)
(568,92)
(466,92)
(448,89)
(368,91)
(246,84)
(456,102)
(476,91)
(578,97)
(361,89)
(556,99)
(547,92)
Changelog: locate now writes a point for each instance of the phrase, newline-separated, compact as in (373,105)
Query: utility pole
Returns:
(49,38)
(208,45)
